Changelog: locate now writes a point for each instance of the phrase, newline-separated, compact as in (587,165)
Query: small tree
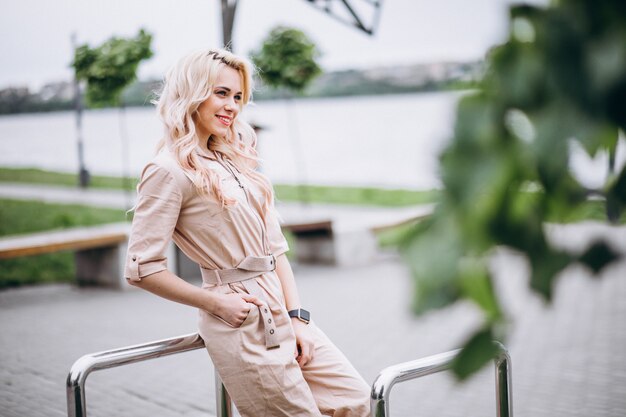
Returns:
(111,67)
(108,69)
(287,60)
(559,79)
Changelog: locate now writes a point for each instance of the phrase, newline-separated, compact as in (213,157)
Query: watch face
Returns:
(305,315)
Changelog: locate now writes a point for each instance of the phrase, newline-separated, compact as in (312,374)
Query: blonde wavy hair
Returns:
(189,83)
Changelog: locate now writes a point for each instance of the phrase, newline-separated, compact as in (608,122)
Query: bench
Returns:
(99,251)
(344,238)
(313,240)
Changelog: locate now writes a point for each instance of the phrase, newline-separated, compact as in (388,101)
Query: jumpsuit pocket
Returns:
(232,289)
(248,319)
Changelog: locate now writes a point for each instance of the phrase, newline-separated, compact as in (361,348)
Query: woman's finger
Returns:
(305,356)
(252,299)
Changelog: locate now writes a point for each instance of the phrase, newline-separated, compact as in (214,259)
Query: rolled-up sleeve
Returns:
(276,239)
(156,213)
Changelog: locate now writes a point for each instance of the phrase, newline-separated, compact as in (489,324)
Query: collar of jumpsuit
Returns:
(205,152)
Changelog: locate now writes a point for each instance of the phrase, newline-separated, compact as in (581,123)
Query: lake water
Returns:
(386,141)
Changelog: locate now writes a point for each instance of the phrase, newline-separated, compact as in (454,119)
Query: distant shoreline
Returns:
(409,79)
(257,98)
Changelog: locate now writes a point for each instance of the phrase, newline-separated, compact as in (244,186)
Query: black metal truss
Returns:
(362,14)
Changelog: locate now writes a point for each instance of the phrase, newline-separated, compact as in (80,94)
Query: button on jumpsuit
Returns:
(261,381)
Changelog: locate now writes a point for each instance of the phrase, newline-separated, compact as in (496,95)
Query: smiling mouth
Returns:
(225,120)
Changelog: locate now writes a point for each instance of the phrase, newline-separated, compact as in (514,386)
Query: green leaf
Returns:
(546,263)
(476,284)
(432,256)
(477,351)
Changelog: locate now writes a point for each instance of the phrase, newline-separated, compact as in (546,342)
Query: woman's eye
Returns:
(237,97)
(221,93)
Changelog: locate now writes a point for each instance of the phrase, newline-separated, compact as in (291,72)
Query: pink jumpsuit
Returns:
(262,380)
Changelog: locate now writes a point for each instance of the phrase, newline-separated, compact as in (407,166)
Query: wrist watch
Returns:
(301,314)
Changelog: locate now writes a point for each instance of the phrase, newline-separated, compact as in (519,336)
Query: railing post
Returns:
(504,390)
(223,405)
(388,377)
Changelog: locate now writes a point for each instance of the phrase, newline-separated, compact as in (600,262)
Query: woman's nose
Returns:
(230,105)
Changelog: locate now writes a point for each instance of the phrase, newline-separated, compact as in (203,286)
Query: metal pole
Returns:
(125,146)
(223,405)
(388,377)
(229,7)
(83,174)
(76,404)
(504,383)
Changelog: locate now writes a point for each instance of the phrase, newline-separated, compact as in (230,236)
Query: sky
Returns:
(36,34)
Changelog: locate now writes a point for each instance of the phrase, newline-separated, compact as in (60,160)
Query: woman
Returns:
(202,190)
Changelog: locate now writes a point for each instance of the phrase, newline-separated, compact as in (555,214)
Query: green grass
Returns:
(40,176)
(310,193)
(353,195)
(17,217)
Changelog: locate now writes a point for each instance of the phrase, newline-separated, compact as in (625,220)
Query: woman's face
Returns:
(218,112)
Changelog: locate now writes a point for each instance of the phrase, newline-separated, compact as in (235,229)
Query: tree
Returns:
(111,67)
(108,69)
(287,60)
(559,79)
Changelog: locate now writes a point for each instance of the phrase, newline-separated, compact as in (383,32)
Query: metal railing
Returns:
(381,389)
(76,403)
(388,377)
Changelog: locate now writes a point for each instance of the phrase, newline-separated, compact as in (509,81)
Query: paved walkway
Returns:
(568,357)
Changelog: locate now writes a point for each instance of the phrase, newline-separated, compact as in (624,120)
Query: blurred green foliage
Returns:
(112,66)
(287,59)
(18,217)
(559,79)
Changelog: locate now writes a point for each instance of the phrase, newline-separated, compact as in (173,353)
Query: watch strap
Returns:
(301,314)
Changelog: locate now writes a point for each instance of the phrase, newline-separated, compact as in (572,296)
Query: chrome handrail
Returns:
(381,388)
(76,379)
(388,377)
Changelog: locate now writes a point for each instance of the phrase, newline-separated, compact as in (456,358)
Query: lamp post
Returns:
(229,7)
(83,174)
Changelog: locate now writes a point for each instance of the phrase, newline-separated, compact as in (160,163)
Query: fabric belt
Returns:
(251,267)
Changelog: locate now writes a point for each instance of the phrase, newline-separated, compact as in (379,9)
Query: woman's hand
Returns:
(234,308)
(305,346)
